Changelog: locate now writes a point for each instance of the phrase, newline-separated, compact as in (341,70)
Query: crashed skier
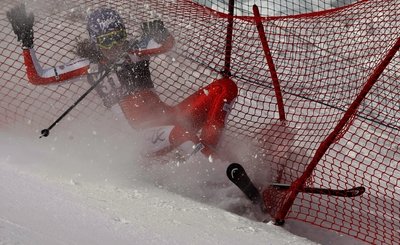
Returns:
(194,125)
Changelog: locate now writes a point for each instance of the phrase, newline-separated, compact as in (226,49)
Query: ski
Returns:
(353,192)
(237,174)
(239,177)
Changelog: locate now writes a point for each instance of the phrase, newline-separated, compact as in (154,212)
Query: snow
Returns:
(51,196)
(87,184)
(64,213)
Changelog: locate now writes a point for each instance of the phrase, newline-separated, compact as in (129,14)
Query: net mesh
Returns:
(323,60)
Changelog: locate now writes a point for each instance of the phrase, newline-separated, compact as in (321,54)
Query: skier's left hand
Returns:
(155,29)
(22,24)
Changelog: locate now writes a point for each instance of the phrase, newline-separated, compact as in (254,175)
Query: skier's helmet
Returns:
(105,27)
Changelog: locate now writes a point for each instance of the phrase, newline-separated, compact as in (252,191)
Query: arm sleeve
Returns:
(39,76)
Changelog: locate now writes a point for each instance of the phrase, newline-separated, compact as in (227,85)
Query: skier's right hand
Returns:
(22,25)
(155,29)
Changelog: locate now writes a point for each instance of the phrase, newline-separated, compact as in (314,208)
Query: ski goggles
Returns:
(108,40)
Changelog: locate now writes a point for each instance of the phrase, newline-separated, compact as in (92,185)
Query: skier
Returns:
(194,125)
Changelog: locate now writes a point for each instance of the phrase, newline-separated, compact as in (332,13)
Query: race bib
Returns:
(110,89)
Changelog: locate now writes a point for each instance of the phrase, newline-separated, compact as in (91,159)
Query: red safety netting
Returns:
(323,61)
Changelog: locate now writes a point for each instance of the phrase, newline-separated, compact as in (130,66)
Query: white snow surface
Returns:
(36,210)
(88,186)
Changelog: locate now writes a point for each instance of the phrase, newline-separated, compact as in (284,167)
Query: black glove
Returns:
(155,29)
(22,24)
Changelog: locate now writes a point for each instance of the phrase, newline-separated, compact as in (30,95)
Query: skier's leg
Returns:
(192,111)
(223,93)
(160,125)
(161,140)
(144,109)
(207,109)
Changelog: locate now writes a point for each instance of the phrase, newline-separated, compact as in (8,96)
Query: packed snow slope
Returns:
(89,190)
(87,184)
(39,210)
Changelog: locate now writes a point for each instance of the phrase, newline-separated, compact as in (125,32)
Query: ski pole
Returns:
(45,132)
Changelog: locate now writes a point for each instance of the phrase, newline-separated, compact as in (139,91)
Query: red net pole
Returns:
(228,46)
(270,62)
(296,185)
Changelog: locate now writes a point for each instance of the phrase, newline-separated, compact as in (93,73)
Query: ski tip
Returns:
(234,171)
(238,176)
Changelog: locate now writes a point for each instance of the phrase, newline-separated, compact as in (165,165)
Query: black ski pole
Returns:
(45,132)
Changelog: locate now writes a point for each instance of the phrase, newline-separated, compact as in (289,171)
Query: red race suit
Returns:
(194,125)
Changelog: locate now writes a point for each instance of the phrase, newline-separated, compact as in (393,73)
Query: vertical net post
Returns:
(228,46)
(270,62)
